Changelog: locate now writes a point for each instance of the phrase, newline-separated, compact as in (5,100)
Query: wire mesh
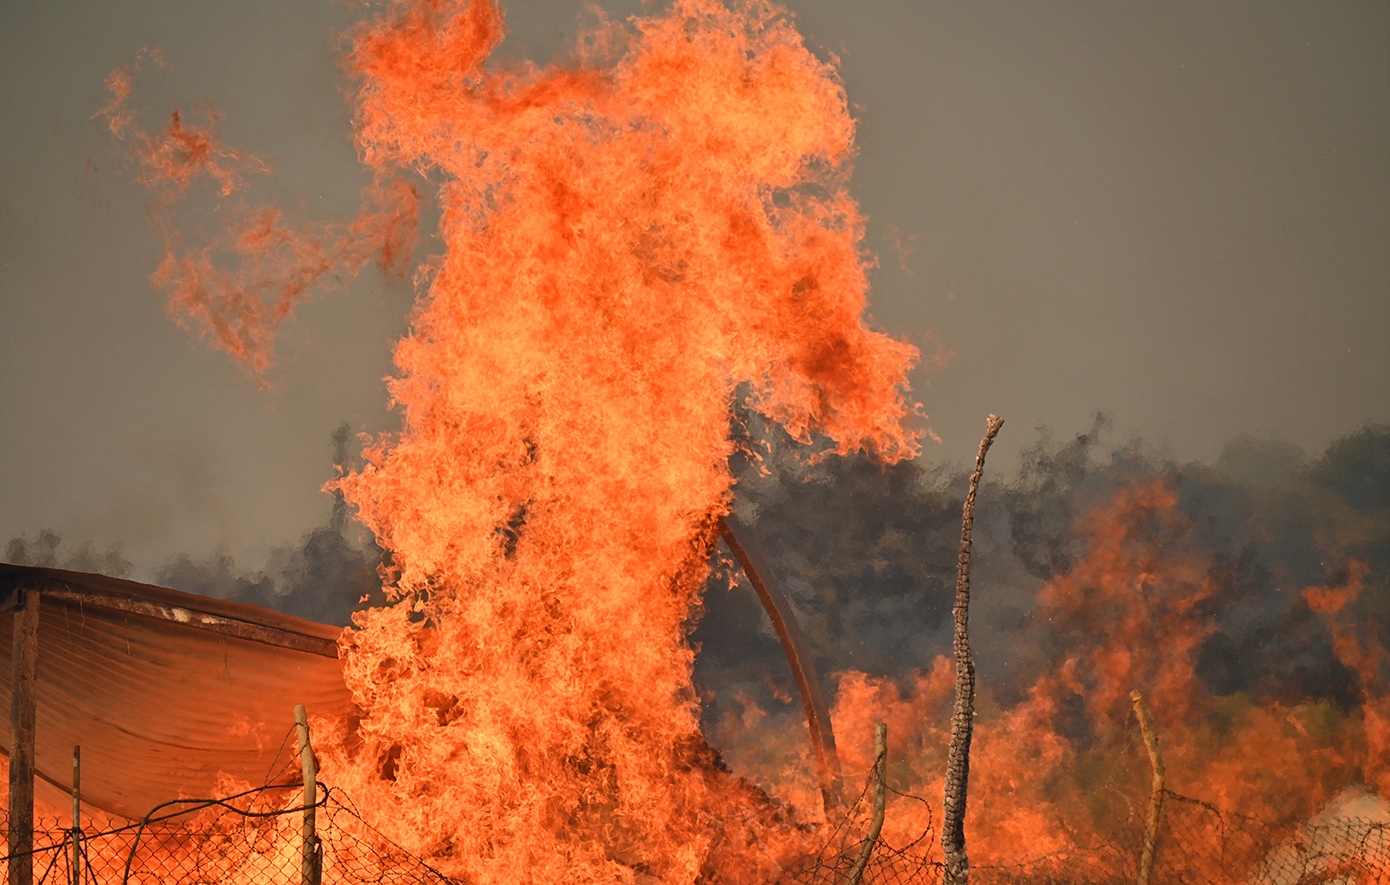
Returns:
(254,839)
(226,841)
(1198,844)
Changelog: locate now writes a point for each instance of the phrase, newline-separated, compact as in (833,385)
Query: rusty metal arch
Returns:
(779,610)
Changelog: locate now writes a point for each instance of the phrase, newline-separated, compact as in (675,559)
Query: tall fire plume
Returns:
(646,253)
(627,241)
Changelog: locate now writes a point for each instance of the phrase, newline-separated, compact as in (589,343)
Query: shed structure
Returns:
(165,692)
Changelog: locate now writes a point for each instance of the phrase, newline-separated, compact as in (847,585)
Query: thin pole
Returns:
(798,652)
(23,702)
(866,850)
(963,713)
(310,868)
(1146,725)
(76,816)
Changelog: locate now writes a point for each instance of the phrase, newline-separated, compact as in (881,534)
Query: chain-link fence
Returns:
(226,841)
(254,839)
(889,864)
(1197,845)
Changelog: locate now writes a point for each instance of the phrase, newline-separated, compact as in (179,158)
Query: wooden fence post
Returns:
(23,701)
(1146,725)
(866,850)
(76,816)
(311,866)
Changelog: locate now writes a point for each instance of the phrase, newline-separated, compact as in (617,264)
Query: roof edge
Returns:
(222,616)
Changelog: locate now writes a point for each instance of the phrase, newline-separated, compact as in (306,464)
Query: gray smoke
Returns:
(324,577)
(46,550)
(867,554)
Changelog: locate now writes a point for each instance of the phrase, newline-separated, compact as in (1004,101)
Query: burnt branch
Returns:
(963,713)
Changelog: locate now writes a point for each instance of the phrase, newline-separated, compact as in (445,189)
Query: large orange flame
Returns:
(627,241)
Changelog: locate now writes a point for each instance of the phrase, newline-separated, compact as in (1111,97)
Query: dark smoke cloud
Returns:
(322,578)
(867,555)
(45,551)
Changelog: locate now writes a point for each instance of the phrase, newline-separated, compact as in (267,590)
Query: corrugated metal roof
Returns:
(164,691)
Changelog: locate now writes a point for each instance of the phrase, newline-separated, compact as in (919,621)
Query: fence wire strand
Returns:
(241,839)
(1198,844)
(253,839)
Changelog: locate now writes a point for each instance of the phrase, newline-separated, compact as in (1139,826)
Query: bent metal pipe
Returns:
(779,610)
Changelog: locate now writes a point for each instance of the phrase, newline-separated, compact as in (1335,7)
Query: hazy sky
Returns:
(1178,212)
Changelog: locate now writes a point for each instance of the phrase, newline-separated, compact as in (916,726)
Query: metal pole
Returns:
(310,867)
(23,702)
(779,611)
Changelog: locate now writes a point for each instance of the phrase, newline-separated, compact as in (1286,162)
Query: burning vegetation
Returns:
(1242,599)
(649,311)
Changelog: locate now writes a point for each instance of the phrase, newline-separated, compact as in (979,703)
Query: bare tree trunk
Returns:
(963,713)
(1146,725)
(866,850)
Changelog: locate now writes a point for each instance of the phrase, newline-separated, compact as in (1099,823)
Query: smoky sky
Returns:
(867,557)
(1177,213)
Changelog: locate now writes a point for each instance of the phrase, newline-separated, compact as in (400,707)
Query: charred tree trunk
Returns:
(963,713)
